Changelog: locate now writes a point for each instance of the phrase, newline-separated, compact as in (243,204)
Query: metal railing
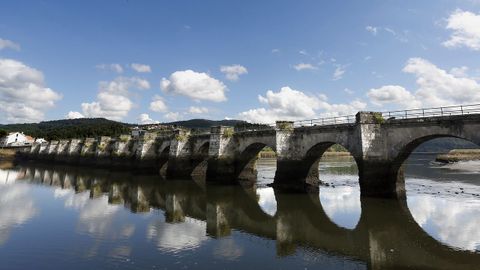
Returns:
(198,132)
(433,112)
(260,127)
(401,114)
(337,120)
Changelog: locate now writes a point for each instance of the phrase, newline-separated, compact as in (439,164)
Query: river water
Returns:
(56,217)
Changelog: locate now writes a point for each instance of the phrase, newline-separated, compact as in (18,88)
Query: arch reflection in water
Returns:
(266,168)
(385,237)
(451,219)
(444,198)
(340,192)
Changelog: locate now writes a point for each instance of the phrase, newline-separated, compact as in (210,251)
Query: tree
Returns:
(3,133)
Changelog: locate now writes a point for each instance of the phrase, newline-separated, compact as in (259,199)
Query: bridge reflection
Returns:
(386,236)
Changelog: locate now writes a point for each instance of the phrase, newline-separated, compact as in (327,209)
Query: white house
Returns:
(16,139)
(40,140)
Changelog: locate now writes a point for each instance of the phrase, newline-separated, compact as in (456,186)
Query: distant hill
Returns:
(70,128)
(443,145)
(93,127)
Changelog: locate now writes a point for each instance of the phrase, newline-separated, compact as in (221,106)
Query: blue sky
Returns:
(255,60)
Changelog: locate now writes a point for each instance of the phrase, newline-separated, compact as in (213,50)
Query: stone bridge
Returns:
(378,145)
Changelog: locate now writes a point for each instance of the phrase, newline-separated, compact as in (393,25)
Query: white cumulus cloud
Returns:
(233,72)
(8,44)
(436,87)
(23,94)
(291,104)
(466,30)
(158,104)
(195,85)
(145,119)
(393,94)
(141,68)
(74,115)
(113,100)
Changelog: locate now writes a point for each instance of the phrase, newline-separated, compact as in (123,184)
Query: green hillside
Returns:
(93,127)
(70,128)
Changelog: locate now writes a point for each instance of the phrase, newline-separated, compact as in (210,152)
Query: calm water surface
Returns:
(54,217)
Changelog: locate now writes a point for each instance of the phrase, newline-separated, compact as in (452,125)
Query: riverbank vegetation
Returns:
(457,155)
(335,150)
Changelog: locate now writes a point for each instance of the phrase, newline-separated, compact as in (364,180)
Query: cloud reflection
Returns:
(96,216)
(16,204)
(342,205)
(178,236)
(454,221)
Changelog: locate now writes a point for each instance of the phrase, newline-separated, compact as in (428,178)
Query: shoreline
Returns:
(271,154)
(7,154)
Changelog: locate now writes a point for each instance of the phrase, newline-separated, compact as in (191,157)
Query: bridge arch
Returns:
(246,163)
(404,140)
(300,171)
(407,149)
(202,149)
(403,149)
(338,181)
(200,160)
(163,153)
(316,152)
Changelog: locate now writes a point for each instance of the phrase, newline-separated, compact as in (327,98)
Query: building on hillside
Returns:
(137,132)
(16,139)
(40,140)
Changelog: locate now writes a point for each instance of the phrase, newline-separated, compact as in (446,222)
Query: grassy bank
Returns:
(7,154)
(269,153)
(456,155)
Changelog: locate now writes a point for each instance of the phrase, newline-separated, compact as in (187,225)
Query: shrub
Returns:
(378,118)
(287,126)
(228,132)
(181,137)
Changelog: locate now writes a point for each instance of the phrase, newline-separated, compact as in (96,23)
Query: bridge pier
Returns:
(179,162)
(381,179)
(217,221)
(294,171)
(222,164)
(184,160)
(173,209)
(221,170)
(295,175)
(181,167)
